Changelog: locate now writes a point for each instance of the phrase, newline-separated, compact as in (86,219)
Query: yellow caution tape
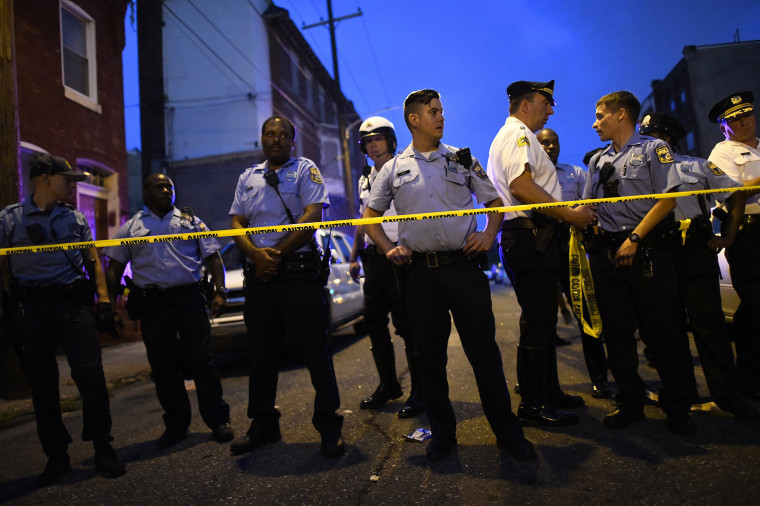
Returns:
(346,223)
(582,286)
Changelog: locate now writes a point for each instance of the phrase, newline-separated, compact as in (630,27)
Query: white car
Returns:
(345,296)
(728,295)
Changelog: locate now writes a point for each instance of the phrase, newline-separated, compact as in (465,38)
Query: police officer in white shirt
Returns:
(739,157)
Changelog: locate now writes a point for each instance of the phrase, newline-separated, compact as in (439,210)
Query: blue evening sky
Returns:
(470,51)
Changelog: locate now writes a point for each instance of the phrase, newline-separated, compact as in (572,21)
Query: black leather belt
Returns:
(751,219)
(153,290)
(517,223)
(439,258)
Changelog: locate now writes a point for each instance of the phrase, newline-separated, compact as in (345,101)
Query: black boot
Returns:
(531,375)
(389,387)
(415,404)
(553,394)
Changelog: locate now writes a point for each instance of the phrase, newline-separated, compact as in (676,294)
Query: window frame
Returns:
(90,100)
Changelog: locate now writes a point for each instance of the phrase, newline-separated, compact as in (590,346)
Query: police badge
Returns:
(637,159)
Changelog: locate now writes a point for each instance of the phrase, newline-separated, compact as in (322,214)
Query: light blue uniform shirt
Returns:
(300,185)
(163,264)
(417,184)
(699,174)
(63,224)
(572,181)
(643,166)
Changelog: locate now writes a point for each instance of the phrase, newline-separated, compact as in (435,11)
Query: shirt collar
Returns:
(263,167)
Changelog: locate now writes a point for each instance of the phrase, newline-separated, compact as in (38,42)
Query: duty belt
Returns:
(439,258)
(751,219)
(300,261)
(159,291)
(517,223)
(72,288)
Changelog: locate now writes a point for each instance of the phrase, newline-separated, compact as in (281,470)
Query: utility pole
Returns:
(12,382)
(339,97)
(9,135)
(151,76)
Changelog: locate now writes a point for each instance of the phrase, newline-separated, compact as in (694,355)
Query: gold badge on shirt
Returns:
(523,141)
(663,154)
(715,169)
(315,175)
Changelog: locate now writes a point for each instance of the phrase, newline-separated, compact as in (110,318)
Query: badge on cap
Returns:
(523,141)
(315,175)
(663,154)
(715,169)
(736,99)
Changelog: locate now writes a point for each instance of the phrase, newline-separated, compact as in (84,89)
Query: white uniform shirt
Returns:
(741,163)
(365,185)
(514,146)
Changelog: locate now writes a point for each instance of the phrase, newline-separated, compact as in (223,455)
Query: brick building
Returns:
(71,99)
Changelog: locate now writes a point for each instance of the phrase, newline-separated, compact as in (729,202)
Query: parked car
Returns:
(728,296)
(344,296)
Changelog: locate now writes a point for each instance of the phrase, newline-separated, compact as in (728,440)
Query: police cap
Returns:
(657,122)
(520,88)
(732,106)
(51,165)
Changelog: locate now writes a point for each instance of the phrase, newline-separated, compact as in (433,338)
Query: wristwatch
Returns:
(634,238)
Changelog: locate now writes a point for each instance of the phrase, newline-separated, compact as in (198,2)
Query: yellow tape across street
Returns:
(346,223)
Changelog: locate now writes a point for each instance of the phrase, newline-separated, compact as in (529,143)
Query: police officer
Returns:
(443,273)
(167,291)
(698,271)
(632,262)
(739,157)
(284,286)
(54,301)
(572,180)
(377,140)
(523,174)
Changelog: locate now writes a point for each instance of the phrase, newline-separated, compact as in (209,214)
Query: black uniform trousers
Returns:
(63,315)
(533,276)
(698,272)
(381,296)
(743,259)
(291,309)
(461,289)
(176,333)
(593,348)
(628,300)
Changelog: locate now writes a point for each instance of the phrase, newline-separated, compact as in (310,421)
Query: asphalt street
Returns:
(582,464)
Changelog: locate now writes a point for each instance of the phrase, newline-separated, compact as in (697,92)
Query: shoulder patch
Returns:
(715,169)
(478,170)
(523,141)
(663,154)
(315,175)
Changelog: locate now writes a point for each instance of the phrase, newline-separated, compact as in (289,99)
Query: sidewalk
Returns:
(123,364)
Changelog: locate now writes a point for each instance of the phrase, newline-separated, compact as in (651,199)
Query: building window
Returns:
(78,56)
(683,97)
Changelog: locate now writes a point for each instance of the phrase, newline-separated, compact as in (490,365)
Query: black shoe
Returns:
(545,415)
(254,439)
(170,438)
(683,426)
(558,341)
(107,463)
(56,468)
(561,400)
(223,433)
(412,407)
(601,391)
(438,450)
(621,418)
(381,396)
(332,449)
(519,448)
(736,407)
